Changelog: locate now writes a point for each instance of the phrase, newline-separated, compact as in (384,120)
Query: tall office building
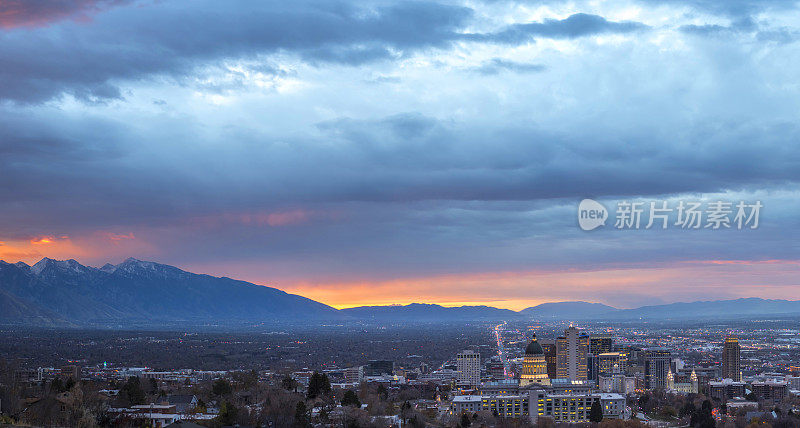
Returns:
(495,368)
(534,366)
(611,362)
(656,367)
(571,350)
(468,364)
(592,367)
(354,374)
(379,367)
(731,359)
(549,348)
(600,343)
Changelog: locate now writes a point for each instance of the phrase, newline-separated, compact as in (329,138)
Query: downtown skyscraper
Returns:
(571,353)
(731,359)
(656,367)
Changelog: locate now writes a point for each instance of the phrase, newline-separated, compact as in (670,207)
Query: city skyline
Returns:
(398,152)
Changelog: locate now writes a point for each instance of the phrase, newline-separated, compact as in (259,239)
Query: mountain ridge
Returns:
(587,311)
(67,293)
(59,292)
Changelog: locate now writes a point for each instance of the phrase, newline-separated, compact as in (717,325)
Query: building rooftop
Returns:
(534,348)
(466,398)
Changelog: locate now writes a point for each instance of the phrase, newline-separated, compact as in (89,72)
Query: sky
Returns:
(388,152)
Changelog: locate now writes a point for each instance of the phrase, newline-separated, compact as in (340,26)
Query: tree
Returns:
(318,385)
(153,386)
(465,420)
(351,399)
(245,379)
(227,414)
(221,387)
(406,411)
(301,414)
(382,392)
(644,400)
(667,412)
(417,422)
(133,389)
(288,383)
(702,417)
(688,409)
(200,407)
(596,412)
(57,386)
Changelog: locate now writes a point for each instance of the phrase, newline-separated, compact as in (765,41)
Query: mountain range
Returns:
(55,292)
(139,293)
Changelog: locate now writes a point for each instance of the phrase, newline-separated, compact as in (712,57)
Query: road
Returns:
(501,350)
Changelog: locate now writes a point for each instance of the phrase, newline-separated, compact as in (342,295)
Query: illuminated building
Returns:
(726,390)
(610,361)
(571,351)
(534,366)
(549,348)
(771,390)
(656,367)
(468,365)
(536,403)
(731,359)
(600,344)
(682,384)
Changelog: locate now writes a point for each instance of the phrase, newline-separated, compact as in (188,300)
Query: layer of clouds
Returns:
(87,60)
(327,141)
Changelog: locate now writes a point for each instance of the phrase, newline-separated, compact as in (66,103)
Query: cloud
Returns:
(499,65)
(336,143)
(576,25)
(146,41)
(35,13)
(735,8)
(740,25)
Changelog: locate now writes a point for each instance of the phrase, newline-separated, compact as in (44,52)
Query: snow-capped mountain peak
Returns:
(70,265)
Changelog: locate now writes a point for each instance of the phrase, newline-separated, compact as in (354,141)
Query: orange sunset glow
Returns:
(518,290)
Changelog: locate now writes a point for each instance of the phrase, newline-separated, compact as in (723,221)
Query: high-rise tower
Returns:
(571,350)
(731,359)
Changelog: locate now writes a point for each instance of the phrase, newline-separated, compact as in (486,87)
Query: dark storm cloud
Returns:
(95,173)
(384,196)
(462,162)
(88,61)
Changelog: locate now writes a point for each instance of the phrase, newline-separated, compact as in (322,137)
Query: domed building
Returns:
(534,366)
